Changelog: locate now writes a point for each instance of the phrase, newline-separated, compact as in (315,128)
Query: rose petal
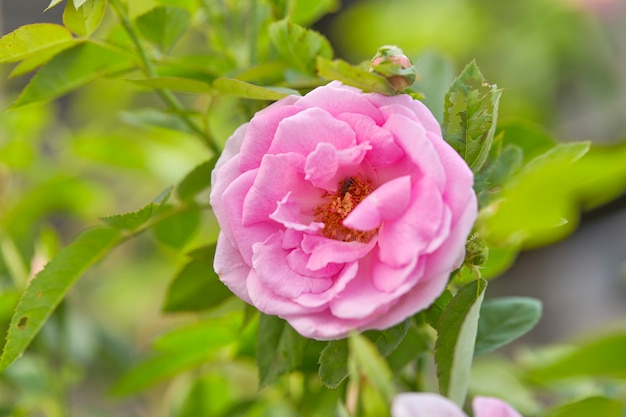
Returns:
(277,176)
(302,133)
(418,404)
(492,407)
(261,131)
(411,233)
(402,102)
(242,237)
(337,98)
(324,251)
(269,261)
(288,214)
(411,136)
(386,202)
(231,267)
(461,177)
(326,166)
(384,150)
(297,261)
(397,280)
(347,274)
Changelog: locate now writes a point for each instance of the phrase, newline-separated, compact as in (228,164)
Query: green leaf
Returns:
(532,211)
(334,363)
(135,219)
(32,63)
(370,364)
(185,85)
(503,320)
(196,287)
(299,45)
(84,20)
(69,70)
(454,348)
(414,344)
(52,4)
(433,313)
(238,88)
(178,229)
(198,180)
(352,75)
(280,349)
(532,139)
(387,341)
(436,73)
(602,357)
(163,25)
(306,12)
(591,406)
(155,118)
(470,116)
(30,40)
(49,287)
(180,350)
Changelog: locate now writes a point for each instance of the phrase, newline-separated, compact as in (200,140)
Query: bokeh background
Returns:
(562,64)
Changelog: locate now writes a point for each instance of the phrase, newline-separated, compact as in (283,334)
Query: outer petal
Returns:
(261,131)
(302,133)
(492,407)
(337,98)
(424,405)
(231,268)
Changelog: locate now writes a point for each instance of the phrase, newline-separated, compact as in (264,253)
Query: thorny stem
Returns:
(150,71)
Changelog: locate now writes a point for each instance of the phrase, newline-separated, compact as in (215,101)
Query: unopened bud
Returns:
(391,63)
(476,250)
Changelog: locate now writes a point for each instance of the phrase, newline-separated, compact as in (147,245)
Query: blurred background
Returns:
(561,63)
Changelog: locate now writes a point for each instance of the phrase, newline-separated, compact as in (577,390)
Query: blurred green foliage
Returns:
(133,123)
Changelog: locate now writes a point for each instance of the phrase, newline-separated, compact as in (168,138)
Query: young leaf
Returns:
(79,3)
(197,180)
(49,287)
(29,40)
(84,20)
(238,88)
(196,287)
(163,25)
(279,349)
(454,348)
(334,363)
(52,4)
(470,116)
(135,219)
(352,75)
(299,45)
(503,320)
(33,62)
(591,406)
(69,70)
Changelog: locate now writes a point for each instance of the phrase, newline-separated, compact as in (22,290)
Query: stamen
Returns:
(350,192)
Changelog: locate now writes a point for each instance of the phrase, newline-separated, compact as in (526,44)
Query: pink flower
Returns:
(341,210)
(433,405)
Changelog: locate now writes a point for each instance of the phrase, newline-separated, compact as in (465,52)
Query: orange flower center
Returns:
(336,207)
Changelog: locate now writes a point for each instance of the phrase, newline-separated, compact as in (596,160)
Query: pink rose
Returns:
(433,405)
(341,210)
